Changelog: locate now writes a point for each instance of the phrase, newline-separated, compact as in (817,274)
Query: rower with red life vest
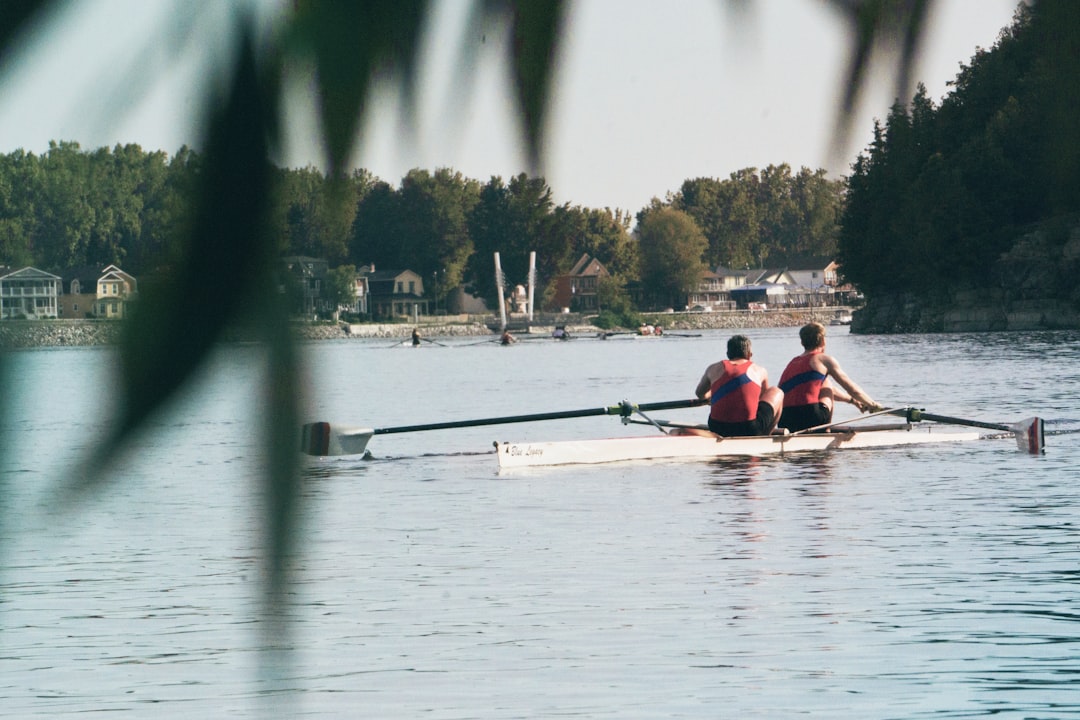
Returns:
(809,396)
(741,401)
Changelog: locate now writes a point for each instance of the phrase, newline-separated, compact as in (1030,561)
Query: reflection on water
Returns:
(935,582)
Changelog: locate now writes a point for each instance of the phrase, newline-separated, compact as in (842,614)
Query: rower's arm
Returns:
(704,385)
(702,390)
(858,396)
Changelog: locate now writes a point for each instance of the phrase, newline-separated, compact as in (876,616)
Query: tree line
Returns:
(942,194)
(70,208)
(937,201)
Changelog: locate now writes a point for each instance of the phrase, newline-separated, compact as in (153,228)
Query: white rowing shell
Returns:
(695,447)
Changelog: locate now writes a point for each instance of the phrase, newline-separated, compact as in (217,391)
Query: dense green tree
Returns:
(509,218)
(71,208)
(435,237)
(702,199)
(65,216)
(115,193)
(373,237)
(169,190)
(942,193)
(422,226)
(20,183)
(603,234)
(738,226)
(671,246)
(818,206)
(772,215)
(313,214)
(341,285)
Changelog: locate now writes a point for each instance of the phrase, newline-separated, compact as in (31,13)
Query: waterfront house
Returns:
(394,293)
(304,278)
(730,278)
(96,292)
(29,293)
(116,289)
(714,290)
(759,295)
(81,292)
(361,295)
(579,289)
(813,272)
(805,282)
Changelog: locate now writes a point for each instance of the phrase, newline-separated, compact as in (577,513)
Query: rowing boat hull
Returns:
(695,447)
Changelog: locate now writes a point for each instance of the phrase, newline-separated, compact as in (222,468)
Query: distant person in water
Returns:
(507,338)
(416,337)
(560,333)
(741,401)
(809,390)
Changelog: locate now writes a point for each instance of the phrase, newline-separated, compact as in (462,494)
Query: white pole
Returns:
(499,284)
(532,282)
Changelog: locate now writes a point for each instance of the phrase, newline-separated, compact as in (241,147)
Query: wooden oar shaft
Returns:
(624,408)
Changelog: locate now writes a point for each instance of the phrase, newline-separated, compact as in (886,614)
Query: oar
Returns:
(1029,433)
(423,339)
(322,438)
(819,428)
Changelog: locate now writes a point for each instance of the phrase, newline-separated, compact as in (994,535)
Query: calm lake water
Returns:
(938,582)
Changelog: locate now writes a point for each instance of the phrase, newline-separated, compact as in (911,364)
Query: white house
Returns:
(29,293)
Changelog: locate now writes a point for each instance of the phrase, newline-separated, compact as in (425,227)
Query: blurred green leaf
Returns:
(537,26)
(220,275)
(15,15)
(353,44)
(891,28)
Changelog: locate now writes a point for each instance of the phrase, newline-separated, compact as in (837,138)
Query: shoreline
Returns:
(21,334)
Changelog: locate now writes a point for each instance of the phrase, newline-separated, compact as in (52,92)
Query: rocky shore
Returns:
(16,334)
(989,311)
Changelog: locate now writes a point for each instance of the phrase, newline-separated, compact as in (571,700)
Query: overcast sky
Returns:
(649,92)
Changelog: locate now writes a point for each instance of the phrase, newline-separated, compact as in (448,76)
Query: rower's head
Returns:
(738,348)
(812,335)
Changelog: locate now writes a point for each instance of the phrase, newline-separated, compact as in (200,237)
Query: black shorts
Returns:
(800,417)
(761,425)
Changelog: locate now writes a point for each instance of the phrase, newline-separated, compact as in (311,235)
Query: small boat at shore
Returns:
(842,318)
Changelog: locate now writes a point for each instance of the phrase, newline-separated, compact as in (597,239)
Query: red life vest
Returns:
(800,382)
(735,394)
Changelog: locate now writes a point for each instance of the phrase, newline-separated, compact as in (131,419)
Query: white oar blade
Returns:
(321,438)
(1030,436)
